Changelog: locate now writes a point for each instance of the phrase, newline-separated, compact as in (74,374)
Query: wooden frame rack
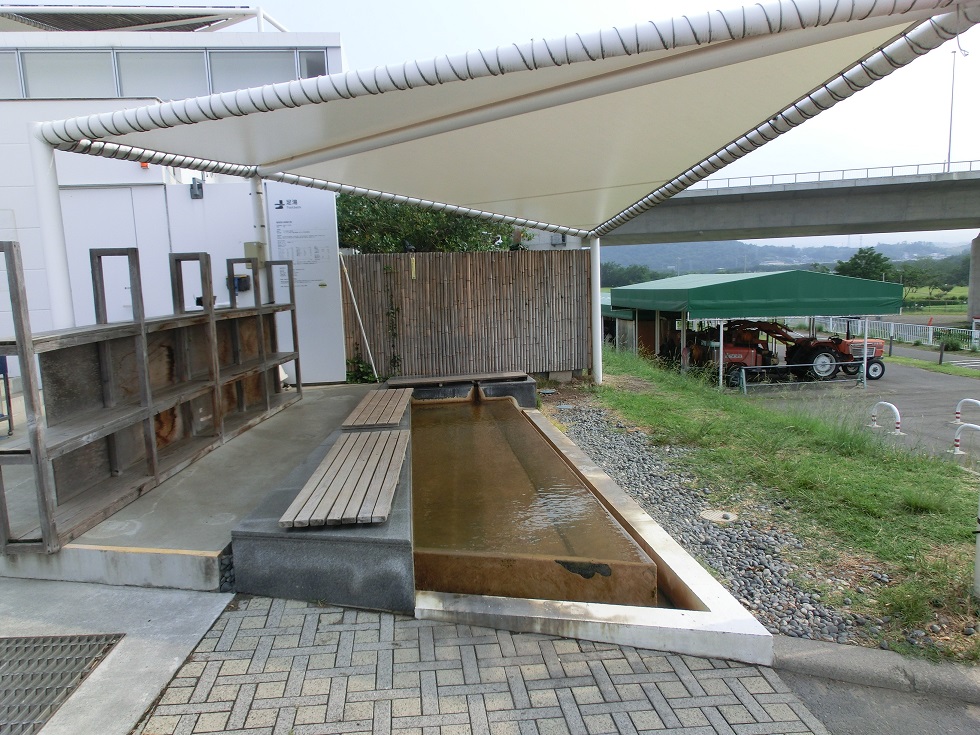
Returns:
(126,405)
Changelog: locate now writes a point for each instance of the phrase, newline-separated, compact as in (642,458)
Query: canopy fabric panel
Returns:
(570,132)
(781,293)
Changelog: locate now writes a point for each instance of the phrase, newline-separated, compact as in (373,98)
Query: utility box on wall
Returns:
(257,250)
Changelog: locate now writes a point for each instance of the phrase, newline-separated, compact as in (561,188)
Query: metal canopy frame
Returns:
(574,70)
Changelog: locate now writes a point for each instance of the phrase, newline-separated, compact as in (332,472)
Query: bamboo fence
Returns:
(460,313)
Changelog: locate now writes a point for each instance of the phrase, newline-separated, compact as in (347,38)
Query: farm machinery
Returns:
(753,344)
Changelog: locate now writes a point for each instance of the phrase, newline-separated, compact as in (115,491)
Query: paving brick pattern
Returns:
(279,667)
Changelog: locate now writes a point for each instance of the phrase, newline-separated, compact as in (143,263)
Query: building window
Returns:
(312,64)
(169,75)
(86,74)
(232,70)
(9,79)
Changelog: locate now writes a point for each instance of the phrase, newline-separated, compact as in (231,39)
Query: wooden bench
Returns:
(422,380)
(355,482)
(379,409)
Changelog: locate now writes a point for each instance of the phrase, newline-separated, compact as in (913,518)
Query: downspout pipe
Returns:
(260,228)
(596,303)
(52,229)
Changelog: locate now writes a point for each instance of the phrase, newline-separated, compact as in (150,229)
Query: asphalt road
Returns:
(926,402)
(849,709)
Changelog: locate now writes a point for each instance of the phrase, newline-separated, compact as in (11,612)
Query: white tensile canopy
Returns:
(573,135)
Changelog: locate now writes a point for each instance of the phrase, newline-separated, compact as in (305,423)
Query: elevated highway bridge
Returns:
(733,210)
(843,205)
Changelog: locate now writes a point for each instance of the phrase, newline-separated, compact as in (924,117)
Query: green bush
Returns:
(359,371)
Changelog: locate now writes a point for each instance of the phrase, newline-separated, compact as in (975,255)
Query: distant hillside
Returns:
(737,256)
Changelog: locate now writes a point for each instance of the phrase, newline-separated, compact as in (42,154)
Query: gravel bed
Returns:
(746,555)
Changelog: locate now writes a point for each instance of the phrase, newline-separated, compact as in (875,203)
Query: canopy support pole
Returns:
(260,227)
(657,336)
(721,354)
(596,303)
(684,354)
(52,229)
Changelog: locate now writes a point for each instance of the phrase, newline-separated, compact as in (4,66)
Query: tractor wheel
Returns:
(823,364)
(851,368)
(794,360)
(876,368)
(733,375)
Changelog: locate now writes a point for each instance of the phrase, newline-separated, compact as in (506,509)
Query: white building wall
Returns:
(541,240)
(18,202)
(120,204)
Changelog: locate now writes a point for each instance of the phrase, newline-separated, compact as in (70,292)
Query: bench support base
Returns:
(368,566)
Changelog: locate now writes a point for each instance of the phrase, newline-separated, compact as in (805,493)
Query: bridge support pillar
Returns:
(973,294)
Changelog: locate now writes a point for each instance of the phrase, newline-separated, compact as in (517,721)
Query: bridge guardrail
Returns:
(843,174)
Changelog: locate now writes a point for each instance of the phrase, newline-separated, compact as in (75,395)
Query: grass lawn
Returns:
(855,500)
(958,292)
(917,302)
(934,367)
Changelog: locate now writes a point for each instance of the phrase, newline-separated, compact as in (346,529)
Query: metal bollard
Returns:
(898,418)
(956,437)
(959,409)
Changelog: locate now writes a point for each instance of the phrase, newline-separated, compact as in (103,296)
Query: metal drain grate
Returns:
(38,674)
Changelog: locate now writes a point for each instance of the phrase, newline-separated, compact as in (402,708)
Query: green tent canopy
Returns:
(775,294)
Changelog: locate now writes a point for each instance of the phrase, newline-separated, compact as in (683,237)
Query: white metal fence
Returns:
(909,333)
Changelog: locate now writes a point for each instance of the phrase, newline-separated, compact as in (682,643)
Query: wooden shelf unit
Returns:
(125,406)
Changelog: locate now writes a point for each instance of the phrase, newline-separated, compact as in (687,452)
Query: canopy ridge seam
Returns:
(766,16)
(925,37)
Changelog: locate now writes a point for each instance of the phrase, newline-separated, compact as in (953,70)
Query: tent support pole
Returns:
(596,304)
(52,230)
(684,354)
(636,332)
(657,337)
(721,354)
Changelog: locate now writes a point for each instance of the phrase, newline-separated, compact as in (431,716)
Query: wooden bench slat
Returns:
(382,399)
(378,467)
(354,483)
(397,406)
(345,488)
(380,408)
(305,516)
(393,411)
(380,509)
(288,518)
(332,483)
(404,401)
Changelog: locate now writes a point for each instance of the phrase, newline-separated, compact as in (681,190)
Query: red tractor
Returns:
(751,344)
(821,359)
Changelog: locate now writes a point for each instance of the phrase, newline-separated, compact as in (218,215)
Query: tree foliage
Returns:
(866,263)
(375,226)
(612,275)
(912,276)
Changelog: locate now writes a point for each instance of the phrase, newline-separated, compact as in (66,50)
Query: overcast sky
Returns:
(902,119)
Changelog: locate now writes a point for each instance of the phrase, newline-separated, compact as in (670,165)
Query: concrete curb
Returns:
(875,667)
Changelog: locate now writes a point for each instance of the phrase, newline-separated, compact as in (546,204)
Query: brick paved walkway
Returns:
(289,668)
